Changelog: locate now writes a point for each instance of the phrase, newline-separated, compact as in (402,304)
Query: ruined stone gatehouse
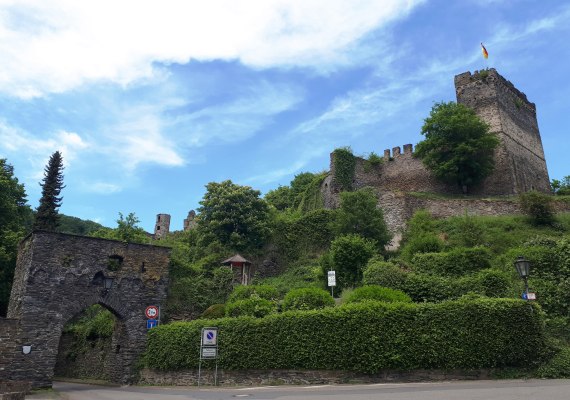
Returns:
(58,276)
(520,165)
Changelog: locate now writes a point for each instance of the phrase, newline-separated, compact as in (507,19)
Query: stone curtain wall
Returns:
(59,275)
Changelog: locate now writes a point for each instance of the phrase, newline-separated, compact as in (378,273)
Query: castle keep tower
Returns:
(520,164)
(162,226)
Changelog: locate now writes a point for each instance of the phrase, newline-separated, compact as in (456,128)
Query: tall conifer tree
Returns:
(47,217)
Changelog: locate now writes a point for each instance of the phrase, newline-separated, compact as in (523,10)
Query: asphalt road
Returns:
(460,390)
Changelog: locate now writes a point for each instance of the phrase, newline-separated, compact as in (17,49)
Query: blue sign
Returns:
(210,335)
(151,323)
(524,296)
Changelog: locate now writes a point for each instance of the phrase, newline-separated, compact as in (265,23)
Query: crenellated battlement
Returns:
(396,152)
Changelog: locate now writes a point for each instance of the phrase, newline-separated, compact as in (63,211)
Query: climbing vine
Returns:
(312,198)
(344,165)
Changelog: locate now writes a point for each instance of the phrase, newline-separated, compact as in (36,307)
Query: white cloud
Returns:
(38,150)
(57,45)
(101,188)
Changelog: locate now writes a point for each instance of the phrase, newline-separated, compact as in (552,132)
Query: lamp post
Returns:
(107,284)
(523,267)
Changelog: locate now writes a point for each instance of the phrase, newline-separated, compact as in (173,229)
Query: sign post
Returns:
(332,281)
(208,350)
(152,314)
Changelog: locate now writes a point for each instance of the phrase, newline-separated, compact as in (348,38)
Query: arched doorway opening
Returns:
(89,344)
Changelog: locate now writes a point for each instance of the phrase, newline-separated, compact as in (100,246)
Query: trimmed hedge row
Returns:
(367,337)
(456,262)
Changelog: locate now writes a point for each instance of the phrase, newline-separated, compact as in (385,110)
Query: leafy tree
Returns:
(127,230)
(14,217)
(47,217)
(458,147)
(561,187)
(234,215)
(349,256)
(77,226)
(359,214)
(280,198)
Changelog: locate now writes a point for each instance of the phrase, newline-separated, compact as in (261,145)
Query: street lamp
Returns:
(107,284)
(523,267)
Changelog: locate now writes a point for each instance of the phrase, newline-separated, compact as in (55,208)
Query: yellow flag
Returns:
(484,50)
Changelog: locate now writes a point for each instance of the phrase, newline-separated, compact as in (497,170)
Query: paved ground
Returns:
(463,390)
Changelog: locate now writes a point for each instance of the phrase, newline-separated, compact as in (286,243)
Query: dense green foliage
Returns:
(47,216)
(15,217)
(127,230)
(458,147)
(365,337)
(253,307)
(561,187)
(77,226)
(359,214)
(457,261)
(538,207)
(234,215)
(349,255)
(307,299)
(344,164)
(266,292)
(377,293)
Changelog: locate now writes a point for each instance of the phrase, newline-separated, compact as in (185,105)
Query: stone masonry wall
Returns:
(300,377)
(520,162)
(59,275)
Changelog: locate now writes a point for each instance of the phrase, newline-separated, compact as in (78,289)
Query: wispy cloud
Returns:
(58,45)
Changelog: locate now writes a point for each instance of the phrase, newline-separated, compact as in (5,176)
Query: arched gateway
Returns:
(59,275)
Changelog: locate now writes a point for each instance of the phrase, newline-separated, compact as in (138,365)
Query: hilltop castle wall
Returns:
(520,164)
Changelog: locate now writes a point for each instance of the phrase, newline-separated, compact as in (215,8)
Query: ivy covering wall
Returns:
(344,165)
(365,337)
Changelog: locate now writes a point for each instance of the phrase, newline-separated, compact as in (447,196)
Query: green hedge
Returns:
(307,299)
(366,337)
(378,293)
(458,261)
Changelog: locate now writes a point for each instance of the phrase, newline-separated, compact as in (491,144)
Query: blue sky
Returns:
(149,101)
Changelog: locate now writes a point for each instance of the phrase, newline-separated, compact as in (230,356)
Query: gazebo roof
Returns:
(236,259)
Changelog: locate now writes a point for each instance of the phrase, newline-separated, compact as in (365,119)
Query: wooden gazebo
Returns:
(241,268)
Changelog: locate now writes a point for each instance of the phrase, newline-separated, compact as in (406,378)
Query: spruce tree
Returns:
(47,217)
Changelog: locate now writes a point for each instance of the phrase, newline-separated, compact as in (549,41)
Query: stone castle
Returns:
(520,165)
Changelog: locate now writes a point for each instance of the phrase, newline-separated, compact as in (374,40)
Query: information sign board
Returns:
(209,352)
(332,278)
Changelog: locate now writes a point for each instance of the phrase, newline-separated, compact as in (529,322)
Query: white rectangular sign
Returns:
(209,336)
(209,352)
(332,278)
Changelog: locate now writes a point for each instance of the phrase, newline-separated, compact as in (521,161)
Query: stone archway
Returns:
(59,275)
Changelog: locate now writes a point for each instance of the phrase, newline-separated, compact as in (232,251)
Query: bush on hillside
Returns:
(538,207)
(383,273)
(244,292)
(214,311)
(349,256)
(252,307)
(425,243)
(307,299)
(458,261)
(558,367)
(377,293)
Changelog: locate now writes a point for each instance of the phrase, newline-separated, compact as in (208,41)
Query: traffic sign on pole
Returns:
(332,278)
(151,312)
(151,323)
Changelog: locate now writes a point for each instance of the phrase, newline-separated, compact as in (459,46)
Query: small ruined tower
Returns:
(162,226)
(190,221)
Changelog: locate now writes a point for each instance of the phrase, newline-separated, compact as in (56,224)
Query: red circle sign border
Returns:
(148,310)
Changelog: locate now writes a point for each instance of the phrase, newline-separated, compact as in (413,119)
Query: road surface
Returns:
(457,390)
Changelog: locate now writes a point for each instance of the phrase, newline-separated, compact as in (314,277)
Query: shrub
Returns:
(455,262)
(307,299)
(383,273)
(538,207)
(557,367)
(425,243)
(377,293)
(349,256)
(482,333)
(214,311)
(253,307)
(244,292)
(429,288)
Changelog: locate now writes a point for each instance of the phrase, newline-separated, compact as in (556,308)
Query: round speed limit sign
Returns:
(151,312)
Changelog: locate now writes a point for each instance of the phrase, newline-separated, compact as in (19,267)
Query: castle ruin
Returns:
(520,165)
